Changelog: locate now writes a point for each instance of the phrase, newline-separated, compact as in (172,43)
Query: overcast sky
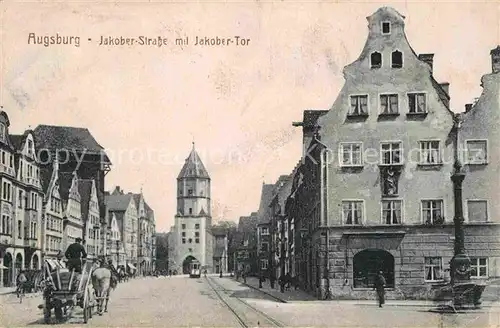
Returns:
(147,104)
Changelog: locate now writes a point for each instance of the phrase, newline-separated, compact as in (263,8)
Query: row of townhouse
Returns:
(374,191)
(131,241)
(52,192)
(243,246)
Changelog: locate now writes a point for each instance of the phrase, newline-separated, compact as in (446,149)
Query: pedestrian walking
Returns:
(380,287)
(272,279)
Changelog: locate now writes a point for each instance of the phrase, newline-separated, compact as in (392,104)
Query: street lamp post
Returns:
(464,290)
(460,263)
(303,255)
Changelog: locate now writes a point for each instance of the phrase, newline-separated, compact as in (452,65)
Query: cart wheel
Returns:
(58,311)
(86,308)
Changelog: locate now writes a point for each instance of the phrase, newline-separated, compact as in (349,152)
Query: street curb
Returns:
(262,291)
(353,302)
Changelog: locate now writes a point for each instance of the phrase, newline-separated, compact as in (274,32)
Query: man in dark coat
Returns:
(380,287)
(74,254)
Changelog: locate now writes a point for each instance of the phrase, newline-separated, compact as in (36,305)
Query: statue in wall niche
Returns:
(390,181)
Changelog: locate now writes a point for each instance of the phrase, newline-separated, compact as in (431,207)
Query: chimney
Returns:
(468,107)
(446,87)
(495,59)
(428,59)
(117,191)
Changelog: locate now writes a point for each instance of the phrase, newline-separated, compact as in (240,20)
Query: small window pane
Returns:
(376,60)
(477,151)
(397,59)
(386,27)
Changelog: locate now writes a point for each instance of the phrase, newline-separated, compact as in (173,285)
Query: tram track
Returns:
(246,319)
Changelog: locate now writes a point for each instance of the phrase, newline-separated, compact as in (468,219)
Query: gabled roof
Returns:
(85,190)
(45,176)
(149,211)
(218,231)
(247,223)
(17,141)
(193,167)
(311,117)
(266,197)
(65,137)
(117,202)
(65,180)
(137,199)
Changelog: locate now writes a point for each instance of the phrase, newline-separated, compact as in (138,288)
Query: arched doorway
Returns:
(186,264)
(34,262)
(7,271)
(367,264)
(19,264)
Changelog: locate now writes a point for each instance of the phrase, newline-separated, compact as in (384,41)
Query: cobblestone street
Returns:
(182,302)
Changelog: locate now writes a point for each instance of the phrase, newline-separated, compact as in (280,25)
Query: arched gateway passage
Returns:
(186,268)
(367,264)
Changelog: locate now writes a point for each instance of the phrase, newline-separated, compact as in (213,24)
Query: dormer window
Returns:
(376,60)
(30,147)
(2,132)
(386,28)
(397,59)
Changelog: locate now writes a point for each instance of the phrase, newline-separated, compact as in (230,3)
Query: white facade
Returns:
(191,239)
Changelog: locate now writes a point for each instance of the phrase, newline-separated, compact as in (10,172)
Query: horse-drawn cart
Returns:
(66,289)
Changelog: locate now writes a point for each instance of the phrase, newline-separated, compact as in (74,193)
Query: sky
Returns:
(146,104)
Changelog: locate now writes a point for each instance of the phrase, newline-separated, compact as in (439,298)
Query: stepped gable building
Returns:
(382,180)
(191,235)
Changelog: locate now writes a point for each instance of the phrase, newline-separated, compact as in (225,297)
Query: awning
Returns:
(131,266)
(372,239)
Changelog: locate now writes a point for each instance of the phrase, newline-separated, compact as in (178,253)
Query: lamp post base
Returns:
(460,268)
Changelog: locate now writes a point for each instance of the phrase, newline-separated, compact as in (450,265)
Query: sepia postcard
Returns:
(250,163)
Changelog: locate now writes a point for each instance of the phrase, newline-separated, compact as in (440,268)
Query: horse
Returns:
(103,284)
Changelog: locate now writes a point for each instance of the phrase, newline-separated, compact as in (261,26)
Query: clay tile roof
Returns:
(265,199)
(193,167)
(65,137)
(311,117)
(137,199)
(117,202)
(17,141)
(65,179)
